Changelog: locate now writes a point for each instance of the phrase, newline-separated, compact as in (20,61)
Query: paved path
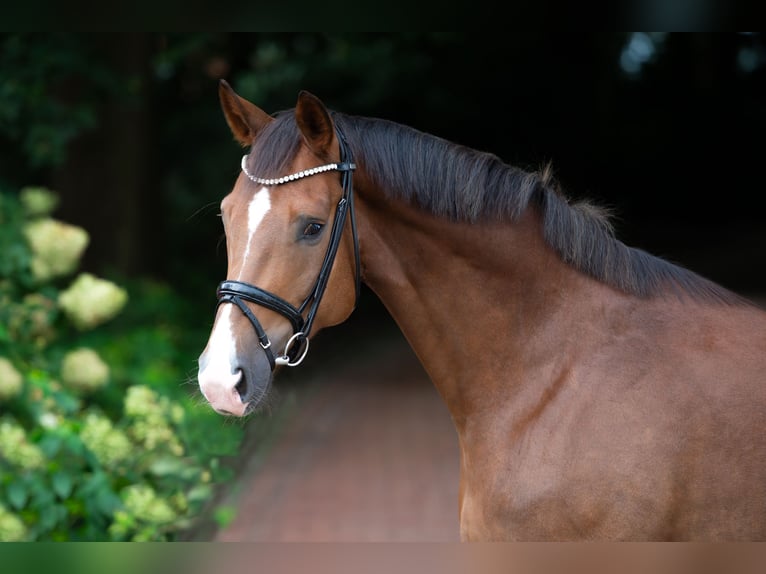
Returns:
(367,453)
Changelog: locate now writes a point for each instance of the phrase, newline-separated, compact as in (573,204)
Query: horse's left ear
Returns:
(314,121)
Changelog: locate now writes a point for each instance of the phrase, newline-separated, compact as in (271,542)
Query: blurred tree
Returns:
(50,86)
(109,180)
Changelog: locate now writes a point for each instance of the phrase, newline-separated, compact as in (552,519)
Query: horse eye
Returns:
(312,228)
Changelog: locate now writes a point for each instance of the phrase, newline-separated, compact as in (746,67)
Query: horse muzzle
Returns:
(237,393)
(233,383)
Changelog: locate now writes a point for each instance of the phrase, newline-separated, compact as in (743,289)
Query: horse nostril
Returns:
(242,387)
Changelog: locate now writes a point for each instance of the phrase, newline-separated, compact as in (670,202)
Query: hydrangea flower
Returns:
(16,449)
(141,401)
(38,201)
(49,420)
(56,247)
(10,380)
(150,413)
(12,529)
(90,301)
(142,501)
(83,370)
(111,446)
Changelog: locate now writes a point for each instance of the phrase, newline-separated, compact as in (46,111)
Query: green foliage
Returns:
(99,440)
(51,84)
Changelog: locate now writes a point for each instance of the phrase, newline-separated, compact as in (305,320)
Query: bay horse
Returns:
(598,392)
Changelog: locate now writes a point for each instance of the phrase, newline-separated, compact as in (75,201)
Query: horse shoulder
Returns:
(651,434)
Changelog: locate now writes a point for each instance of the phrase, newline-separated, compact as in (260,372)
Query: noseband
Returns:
(237,292)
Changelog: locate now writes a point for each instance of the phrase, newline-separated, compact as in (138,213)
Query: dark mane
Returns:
(464,184)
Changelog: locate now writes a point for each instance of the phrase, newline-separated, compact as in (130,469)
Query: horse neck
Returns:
(471,299)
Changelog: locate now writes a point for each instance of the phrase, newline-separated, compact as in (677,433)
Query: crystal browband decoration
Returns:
(286,178)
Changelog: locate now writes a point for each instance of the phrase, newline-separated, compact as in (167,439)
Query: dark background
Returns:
(665,129)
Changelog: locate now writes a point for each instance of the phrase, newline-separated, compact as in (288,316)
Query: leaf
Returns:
(90,484)
(98,496)
(62,484)
(224,515)
(199,493)
(17,493)
(107,501)
(51,517)
(166,466)
(74,444)
(40,495)
(50,444)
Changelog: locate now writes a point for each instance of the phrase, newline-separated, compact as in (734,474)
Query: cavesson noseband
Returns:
(237,292)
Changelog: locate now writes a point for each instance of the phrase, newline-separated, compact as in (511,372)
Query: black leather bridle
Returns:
(237,292)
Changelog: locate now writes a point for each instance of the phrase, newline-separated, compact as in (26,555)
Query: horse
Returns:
(598,392)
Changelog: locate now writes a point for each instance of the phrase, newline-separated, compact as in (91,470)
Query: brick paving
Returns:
(369,454)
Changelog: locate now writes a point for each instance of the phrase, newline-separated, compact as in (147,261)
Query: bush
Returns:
(98,438)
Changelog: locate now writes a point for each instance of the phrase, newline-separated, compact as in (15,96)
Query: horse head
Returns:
(288,248)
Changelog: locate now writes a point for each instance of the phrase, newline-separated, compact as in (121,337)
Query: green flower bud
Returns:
(142,501)
(90,301)
(56,247)
(12,529)
(150,412)
(10,380)
(16,449)
(38,201)
(83,370)
(141,401)
(154,434)
(179,502)
(110,445)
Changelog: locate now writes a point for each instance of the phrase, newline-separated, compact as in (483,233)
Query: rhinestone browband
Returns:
(287,178)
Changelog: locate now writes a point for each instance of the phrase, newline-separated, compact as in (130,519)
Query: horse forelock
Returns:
(275,147)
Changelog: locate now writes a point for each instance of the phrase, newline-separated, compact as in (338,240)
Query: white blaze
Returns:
(220,375)
(257,209)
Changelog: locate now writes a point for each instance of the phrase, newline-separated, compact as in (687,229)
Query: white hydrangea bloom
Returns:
(83,370)
(49,420)
(12,529)
(90,301)
(141,401)
(10,380)
(38,201)
(16,449)
(56,247)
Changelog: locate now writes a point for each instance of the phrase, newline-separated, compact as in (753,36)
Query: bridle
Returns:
(237,292)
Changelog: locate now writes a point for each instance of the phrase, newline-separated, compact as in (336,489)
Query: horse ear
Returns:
(244,119)
(314,121)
